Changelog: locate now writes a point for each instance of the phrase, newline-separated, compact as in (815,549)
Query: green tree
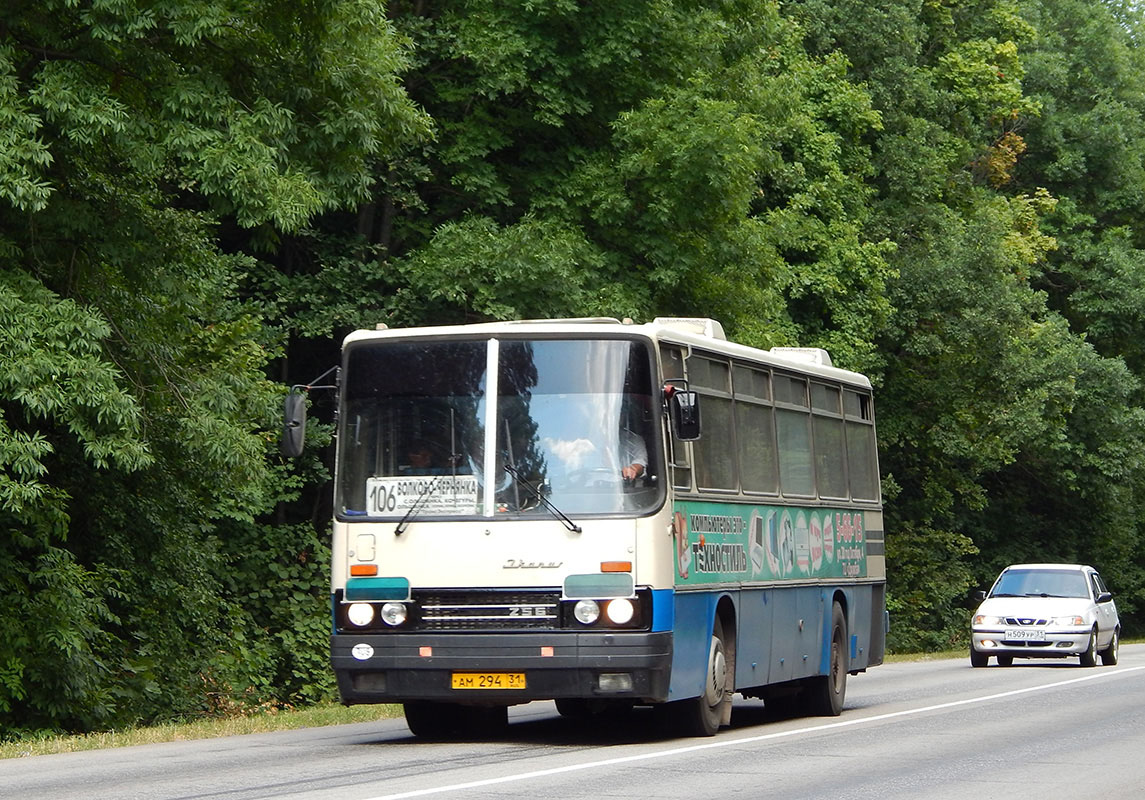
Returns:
(144,146)
(984,379)
(633,158)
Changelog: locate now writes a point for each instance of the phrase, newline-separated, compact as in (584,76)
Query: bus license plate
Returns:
(488,680)
(1019,634)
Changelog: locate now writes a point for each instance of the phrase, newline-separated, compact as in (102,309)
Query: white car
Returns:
(1045,611)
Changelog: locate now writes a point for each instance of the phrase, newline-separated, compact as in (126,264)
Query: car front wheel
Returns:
(1089,657)
(978,659)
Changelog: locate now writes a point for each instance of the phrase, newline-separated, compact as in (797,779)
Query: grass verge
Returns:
(316,716)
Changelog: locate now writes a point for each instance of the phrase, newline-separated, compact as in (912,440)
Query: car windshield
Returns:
(1041,583)
(569,416)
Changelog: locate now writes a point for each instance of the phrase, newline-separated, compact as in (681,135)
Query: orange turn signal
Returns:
(616,566)
(363,569)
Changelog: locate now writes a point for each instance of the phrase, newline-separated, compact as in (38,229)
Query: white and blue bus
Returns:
(604,514)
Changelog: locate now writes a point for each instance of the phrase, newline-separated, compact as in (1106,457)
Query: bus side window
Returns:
(755,431)
(862,460)
(715,451)
(793,427)
(827,429)
(672,367)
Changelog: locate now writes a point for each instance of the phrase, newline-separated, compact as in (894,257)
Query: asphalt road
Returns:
(930,730)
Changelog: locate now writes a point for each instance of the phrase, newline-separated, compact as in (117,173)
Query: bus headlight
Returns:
(360,614)
(394,614)
(586,611)
(620,610)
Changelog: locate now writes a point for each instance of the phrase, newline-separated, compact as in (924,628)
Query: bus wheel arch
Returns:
(706,714)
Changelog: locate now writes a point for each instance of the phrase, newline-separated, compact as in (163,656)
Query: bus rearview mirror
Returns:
(686,415)
(294,424)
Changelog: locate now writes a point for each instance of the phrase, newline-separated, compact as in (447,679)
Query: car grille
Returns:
(1026,621)
(487,610)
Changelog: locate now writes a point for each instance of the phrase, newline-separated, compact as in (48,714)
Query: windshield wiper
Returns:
(401,526)
(572,526)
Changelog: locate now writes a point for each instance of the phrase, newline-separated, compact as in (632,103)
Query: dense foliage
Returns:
(198,197)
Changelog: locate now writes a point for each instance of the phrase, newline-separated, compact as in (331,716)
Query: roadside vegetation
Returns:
(212,728)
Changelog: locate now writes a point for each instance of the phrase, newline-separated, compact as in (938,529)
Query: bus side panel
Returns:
(695,613)
(878,616)
(865,626)
(753,640)
(797,633)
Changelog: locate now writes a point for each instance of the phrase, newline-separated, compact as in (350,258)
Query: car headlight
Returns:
(986,619)
(1069,622)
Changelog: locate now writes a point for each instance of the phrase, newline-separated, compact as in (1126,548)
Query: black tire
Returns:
(1109,654)
(1089,657)
(825,693)
(1005,661)
(431,720)
(701,716)
(978,659)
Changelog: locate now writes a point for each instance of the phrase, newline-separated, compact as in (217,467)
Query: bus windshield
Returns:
(572,421)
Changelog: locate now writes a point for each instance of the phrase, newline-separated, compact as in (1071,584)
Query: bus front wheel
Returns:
(826,692)
(701,716)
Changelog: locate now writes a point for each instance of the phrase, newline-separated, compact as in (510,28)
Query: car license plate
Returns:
(1024,635)
(488,680)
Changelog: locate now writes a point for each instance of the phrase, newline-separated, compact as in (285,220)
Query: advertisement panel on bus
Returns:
(721,542)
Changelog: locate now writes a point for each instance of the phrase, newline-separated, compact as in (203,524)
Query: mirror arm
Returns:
(306,387)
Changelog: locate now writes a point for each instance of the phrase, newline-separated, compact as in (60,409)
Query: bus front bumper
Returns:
(400,667)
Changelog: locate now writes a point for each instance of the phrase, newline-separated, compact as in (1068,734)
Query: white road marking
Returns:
(732,742)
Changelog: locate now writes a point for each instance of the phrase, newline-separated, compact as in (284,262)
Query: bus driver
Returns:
(633,455)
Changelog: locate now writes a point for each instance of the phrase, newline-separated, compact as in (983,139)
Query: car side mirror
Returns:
(1105,597)
(294,424)
(979,595)
(685,406)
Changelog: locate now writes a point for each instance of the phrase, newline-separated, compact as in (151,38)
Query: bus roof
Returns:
(699,332)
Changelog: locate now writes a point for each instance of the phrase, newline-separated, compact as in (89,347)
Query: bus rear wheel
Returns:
(826,692)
